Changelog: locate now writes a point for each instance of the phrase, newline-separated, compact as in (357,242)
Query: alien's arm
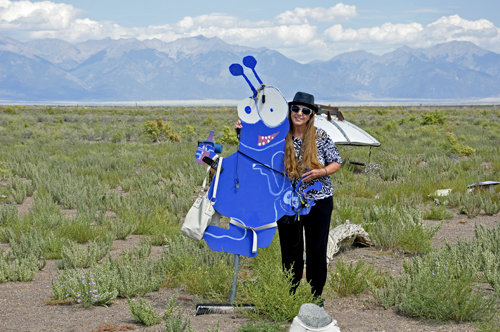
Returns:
(275,181)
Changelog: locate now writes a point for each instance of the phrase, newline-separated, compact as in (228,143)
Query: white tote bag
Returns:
(202,213)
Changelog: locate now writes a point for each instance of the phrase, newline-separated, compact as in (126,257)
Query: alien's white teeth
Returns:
(263,140)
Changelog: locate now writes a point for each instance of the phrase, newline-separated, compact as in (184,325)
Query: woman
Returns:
(312,156)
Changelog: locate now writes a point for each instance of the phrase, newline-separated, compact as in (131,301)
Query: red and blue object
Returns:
(207,148)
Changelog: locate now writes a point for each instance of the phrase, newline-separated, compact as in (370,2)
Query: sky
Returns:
(303,31)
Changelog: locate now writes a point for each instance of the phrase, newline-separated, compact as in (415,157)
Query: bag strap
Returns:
(260,163)
(216,184)
(202,189)
(253,229)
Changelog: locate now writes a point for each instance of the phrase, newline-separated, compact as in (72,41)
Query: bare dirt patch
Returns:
(23,307)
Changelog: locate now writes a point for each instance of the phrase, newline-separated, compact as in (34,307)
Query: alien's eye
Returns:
(275,108)
(287,197)
(247,111)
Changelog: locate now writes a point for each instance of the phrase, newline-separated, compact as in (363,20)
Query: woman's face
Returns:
(298,118)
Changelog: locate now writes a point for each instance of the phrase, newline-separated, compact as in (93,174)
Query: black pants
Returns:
(316,225)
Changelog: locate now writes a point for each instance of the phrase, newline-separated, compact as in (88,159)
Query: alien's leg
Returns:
(317,225)
(292,248)
(237,240)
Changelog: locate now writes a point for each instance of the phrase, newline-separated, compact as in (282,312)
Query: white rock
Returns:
(342,233)
(312,318)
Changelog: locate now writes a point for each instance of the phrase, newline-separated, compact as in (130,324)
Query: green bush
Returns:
(9,216)
(210,121)
(435,117)
(349,279)
(10,110)
(446,284)
(4,172)
(346,210)
(171,308)
(160,131)
(390,126)
(85,226)
(19,269)
(19,190)
(75,256)
(490,207)
(187,131)
(459,148)
(26,244)
(492,325)
(438,213)
(269,290)
(441,294)
(400,228)
(96,288)
(454,199)
(471,204)
(197,268)
(26,250)
(143,312)
(132,274)
(136,273)
(262,326)
(117,137)
(53,246)
(177,324)
(122,229)
(228,136)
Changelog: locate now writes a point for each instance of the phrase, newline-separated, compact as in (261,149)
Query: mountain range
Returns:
(196,68)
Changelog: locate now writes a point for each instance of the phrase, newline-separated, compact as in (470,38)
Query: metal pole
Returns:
(235,278)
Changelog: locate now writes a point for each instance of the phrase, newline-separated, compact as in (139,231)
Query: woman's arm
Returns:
(332,168)
(317,173)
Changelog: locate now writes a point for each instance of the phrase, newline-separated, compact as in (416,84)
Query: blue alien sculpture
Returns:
(253,190)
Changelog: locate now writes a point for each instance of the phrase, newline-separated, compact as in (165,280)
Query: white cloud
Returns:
(481,32)
(208,21)
(456,28)
(45,15)
(294,32)
(339,12)
(388,33)
(389,36)
(457,21)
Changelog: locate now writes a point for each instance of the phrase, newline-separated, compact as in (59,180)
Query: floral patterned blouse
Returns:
(327,154)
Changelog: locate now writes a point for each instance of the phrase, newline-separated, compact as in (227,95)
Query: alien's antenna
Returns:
(237,70)
(250,62)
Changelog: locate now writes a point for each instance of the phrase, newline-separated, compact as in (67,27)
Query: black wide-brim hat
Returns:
(303,98)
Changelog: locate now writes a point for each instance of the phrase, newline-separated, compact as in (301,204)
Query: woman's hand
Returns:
(238,125)
(313,174)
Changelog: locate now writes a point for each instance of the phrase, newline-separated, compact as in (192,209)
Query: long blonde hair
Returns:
(309,151)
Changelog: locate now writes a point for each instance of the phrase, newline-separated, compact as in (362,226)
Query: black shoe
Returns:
(320,301)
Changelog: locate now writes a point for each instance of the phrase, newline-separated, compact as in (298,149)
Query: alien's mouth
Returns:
(263,140)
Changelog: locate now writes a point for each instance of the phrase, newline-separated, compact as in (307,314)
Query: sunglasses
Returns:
(305,110)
